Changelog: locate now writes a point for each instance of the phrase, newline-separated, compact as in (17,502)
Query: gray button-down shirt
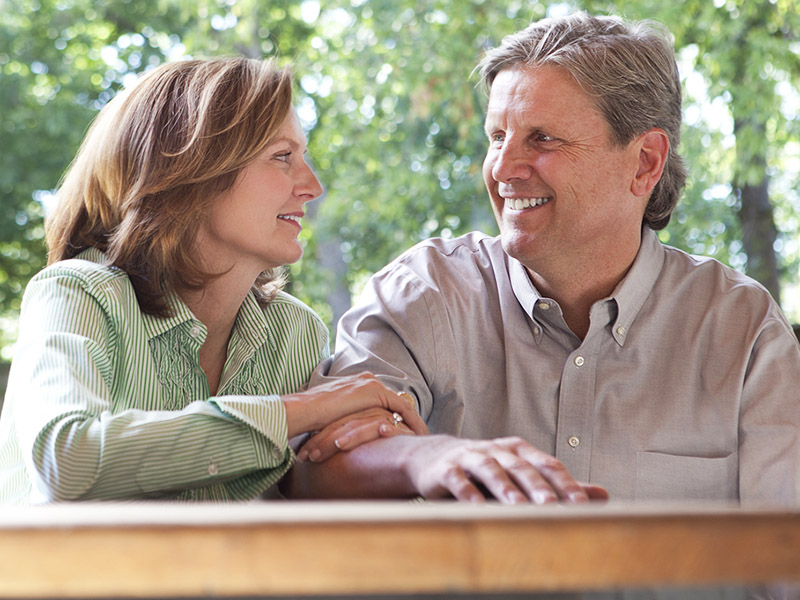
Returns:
(686,386)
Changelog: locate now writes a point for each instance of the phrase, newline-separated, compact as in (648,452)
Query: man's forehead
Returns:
(537,93)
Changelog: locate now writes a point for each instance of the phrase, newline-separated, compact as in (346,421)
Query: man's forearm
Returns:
(441,466)
(375,470)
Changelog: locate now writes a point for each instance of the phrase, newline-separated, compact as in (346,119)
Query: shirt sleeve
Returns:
(80,441)
(377,336)
(769,426)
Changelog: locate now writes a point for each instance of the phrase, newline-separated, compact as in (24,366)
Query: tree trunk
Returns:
(750,106)
(755,216)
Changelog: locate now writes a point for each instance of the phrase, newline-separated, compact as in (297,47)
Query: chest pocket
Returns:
(671,477)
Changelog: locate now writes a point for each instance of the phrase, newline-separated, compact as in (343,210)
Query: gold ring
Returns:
(408,398)
(396,419)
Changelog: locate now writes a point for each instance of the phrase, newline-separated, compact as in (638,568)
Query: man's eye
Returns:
(543,137)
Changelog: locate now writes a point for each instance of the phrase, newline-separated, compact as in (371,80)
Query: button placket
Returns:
(576,409)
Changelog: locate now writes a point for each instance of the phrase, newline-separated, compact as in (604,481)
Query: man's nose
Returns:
(512,162)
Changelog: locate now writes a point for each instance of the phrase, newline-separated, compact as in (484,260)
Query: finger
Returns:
(491,472)
(528,480)
(399,403)
(344,434)
(390,430)
(311,450)
(357,434)
(548,472)
(595,492)
(408,398)
(350,431)
(455,481)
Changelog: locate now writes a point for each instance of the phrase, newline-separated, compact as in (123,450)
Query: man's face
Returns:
(560,190)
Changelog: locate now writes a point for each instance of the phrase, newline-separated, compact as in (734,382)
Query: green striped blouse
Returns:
(106,402)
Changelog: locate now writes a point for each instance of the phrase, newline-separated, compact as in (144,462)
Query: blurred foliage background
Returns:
(394,118)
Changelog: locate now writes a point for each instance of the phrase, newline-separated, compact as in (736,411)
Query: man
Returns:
(610,359)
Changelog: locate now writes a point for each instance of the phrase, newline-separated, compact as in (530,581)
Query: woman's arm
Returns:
(88,429)
(83,412)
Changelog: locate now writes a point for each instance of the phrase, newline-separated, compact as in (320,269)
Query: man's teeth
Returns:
(294,218)
(521,203)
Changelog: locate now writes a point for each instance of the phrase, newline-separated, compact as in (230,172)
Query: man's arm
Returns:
(769,427)
(440,466)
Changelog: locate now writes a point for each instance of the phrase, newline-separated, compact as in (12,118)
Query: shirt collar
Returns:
(523,287)
(634,289)
(629,295)
(251,324)
(180,313)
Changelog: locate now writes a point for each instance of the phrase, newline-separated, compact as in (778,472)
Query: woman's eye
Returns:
(284,156)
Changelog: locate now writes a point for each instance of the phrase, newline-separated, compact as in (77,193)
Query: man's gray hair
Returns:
(630,71)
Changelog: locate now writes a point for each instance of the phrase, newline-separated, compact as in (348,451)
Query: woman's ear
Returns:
(653,149)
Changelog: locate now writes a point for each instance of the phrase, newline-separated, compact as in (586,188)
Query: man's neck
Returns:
(577,289)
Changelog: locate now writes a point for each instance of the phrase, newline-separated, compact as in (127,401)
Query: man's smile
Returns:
(523,203)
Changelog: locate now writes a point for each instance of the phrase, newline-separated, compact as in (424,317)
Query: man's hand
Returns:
(508,469)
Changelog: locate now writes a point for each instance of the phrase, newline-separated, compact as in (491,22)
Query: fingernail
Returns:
(336,443)
(315,454)
(302,456)
(546,498)
(342,442)
(517,498)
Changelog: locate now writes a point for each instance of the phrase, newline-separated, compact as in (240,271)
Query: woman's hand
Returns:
(332,401)
(351,431)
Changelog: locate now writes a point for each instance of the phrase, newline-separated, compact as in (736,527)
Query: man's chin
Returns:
(518,247)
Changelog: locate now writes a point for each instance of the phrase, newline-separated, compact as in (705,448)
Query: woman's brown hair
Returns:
(155,159)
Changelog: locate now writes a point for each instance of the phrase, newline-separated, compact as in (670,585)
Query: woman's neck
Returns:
(216,306)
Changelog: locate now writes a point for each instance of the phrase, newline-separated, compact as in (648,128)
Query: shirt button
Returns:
(195,331)
(276,453)
(574,441)
(544,305)
(621,330)
(579,361)
(212,469)
(536,331)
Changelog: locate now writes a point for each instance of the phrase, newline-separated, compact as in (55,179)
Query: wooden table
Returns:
(262,549)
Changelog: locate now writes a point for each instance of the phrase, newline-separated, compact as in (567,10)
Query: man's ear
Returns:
(653,149)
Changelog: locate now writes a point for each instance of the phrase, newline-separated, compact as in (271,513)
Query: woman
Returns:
(157,356)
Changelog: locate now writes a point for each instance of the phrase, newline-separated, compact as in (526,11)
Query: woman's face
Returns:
(254,225)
